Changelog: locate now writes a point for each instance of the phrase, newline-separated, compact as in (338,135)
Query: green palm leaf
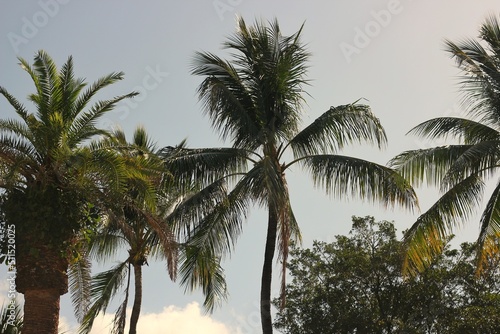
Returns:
(468,131)
(336,128)
(427,166)
(205,165)
(104,286)
(200,268)
(481,159)
(427,236)
(341,175)
(490,229)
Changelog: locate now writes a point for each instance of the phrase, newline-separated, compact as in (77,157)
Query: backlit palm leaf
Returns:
(427,236)
(461,169)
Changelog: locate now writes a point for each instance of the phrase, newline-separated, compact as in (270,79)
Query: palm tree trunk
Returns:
(43,280)
(136,308)
(41,311)
(267,273)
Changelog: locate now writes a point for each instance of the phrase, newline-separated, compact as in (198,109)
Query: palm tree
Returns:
(11,318)
(460,170)
(146,230)
(51,171)
(255,99)
(134,225)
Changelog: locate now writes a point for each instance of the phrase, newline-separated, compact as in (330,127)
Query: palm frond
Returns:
(164,239)
(219,229)
(338,127)
(226,100)
(428,235)
(104,287)
(83,126)
(16,128)
(195,206)
(18,106)
(490,229)
(469,131)
(341,175)
(89,93)
(204,165)
(120,318)
(121,313)
(259,93)
(46,71)
(481,79)
(481,158)
(201,269)
(79,274)
(427,166)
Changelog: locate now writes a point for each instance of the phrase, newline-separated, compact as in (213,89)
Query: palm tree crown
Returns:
(51,169)
(255,100)
(461,170)
(148,228)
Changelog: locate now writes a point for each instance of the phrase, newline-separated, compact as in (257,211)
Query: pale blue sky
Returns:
(388,52)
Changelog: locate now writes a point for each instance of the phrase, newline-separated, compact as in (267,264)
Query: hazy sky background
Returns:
(388,52)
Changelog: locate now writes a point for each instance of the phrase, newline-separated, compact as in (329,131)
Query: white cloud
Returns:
(172,320)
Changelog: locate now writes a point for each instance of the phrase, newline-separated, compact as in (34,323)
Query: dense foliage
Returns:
(355,285)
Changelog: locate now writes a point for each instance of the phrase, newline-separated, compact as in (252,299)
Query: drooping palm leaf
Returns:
(202,268)
(336,128)
(468,131)
(427,236)
(341,175)
(205,165)
(79,276)
(481,159)
(490,229)
(104,287)
(460,169)
(427,166)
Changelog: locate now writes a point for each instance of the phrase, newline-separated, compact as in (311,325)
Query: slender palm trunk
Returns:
(267,273)
(136,308)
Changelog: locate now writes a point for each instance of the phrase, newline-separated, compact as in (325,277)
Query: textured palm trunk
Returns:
(41,277)
(136,308)
(41,312)
(267,273)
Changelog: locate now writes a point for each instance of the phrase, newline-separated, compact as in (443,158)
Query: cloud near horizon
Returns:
(172,320)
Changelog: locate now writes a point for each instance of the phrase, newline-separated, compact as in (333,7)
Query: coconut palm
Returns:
(255,99)
(52,169)
(147,231)
(460,170)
